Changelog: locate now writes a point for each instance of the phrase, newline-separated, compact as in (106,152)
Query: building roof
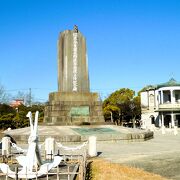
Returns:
(17,102)
(171,82)
(149,87)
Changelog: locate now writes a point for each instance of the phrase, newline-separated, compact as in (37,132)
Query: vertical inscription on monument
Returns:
(66,69)
(75,62)
(72,65)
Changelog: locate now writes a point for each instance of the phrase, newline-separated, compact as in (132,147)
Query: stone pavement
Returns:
(160,155)
(81,133)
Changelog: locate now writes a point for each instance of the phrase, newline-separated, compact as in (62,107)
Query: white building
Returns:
(160,105)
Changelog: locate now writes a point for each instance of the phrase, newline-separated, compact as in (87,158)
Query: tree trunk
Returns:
(134,124)
(111,117)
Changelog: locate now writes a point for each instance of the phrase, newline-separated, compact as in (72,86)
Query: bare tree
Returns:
(4,97)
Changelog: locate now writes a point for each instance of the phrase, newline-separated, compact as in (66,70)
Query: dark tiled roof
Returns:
(171,82)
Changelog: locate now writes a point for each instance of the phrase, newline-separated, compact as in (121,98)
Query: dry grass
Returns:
(104,170)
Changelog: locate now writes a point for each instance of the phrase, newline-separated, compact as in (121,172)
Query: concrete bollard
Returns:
(170,125)
(49,148)
(6,146)
(175,130)
(152,127)
(163,130)
(92,146)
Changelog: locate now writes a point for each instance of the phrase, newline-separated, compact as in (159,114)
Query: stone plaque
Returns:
(80,111)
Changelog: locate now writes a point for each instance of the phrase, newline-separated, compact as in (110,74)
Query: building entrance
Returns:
(177,121)
(167,120)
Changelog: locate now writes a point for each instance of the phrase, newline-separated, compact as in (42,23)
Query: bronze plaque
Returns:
(80,111)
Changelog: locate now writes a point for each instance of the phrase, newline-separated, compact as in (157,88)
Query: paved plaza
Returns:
(160,155)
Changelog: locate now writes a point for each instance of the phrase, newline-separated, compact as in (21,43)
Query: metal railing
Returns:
(73,165)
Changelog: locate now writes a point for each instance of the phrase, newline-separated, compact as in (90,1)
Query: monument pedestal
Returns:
(73,108)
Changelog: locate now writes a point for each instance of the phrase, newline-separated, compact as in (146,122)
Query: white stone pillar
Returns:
(92,146)
(6,146)
(162,118)
(160,121)
(162,97)
(172,119)
(49,148)
(172,97)
(159,97)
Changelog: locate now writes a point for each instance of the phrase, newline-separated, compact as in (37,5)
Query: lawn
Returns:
(99,169)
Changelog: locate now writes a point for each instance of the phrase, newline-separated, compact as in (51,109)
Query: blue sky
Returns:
(131,43)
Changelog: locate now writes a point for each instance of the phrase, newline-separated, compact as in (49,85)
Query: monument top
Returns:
(75,28)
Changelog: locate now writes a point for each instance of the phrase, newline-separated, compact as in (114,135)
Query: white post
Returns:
(92,146)
(175,130)
(49,148)
(6,146)
(143,126)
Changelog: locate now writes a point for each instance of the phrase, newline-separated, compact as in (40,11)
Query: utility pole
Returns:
(30,97)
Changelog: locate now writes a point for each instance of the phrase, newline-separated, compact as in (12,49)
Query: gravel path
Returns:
(160,155)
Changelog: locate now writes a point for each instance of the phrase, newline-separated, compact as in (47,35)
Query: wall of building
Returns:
(160,102)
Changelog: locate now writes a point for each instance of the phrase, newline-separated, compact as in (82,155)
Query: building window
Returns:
(152,119)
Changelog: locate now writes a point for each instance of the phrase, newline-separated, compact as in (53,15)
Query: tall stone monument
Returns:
(73,104)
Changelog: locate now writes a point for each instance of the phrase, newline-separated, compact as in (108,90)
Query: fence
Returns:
(73,164)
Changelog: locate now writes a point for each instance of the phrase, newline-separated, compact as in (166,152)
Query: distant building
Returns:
(160,105)
(17,102)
